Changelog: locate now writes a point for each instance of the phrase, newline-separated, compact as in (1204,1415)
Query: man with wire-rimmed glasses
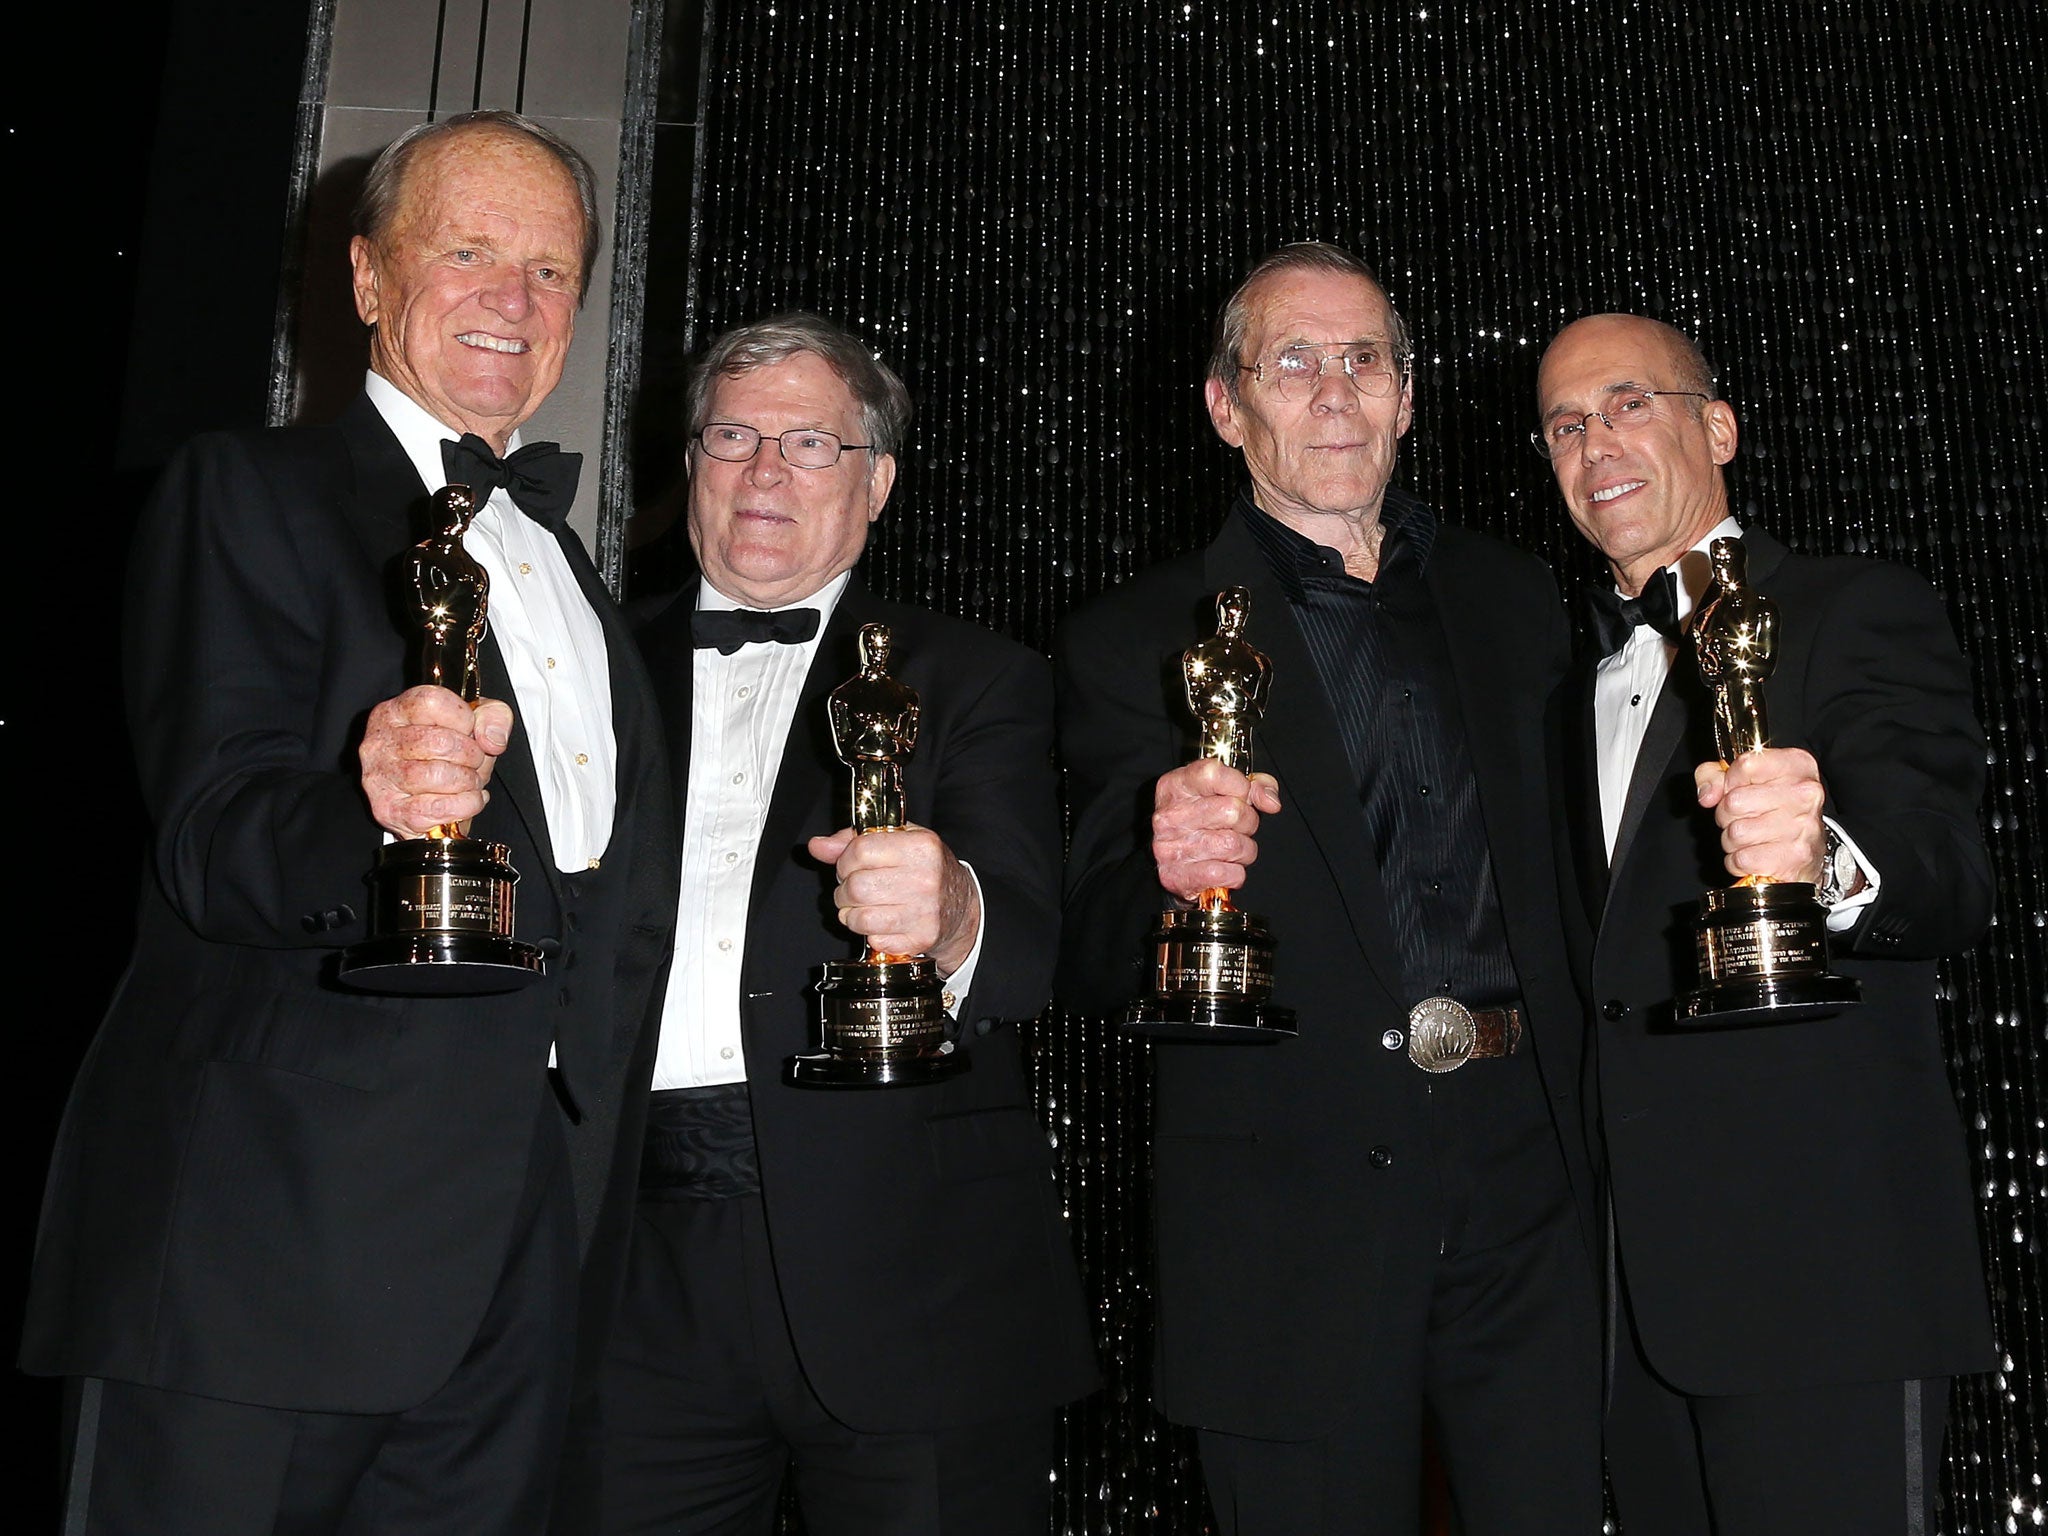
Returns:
(1356,1234)
(1792,1257)
(871,1289)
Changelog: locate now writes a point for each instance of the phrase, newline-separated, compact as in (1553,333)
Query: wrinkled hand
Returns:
(1204,817)
(1768,806)
(904,892)
(427,756)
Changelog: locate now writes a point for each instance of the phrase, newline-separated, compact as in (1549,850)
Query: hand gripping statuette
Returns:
(441,905)
(1213,965)
(1761,944)
(882,1018)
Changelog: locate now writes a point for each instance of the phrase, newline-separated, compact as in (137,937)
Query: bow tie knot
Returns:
(730,628)
(1615,617)
(539,478)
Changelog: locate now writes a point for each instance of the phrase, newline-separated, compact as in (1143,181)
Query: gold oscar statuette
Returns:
(441,905)
(1213,964)
(882,1017)
(1761,944)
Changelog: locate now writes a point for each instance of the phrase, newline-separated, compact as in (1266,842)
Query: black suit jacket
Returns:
(1275,1227)
(267,1188)
(925,1268)
(1792,1202)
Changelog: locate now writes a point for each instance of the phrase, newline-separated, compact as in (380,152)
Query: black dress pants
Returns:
(477,1458)
(1494,1341)
(706,1408)
(1860,1459)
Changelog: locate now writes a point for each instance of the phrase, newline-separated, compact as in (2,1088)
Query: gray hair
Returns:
(1302,256)
(384,188)
(883,402)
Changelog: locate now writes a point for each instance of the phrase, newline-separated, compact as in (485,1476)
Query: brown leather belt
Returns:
(1443,1034)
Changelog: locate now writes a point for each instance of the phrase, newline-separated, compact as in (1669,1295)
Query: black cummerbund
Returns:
(700,1144)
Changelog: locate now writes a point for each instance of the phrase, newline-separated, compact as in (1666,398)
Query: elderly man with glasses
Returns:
(872,1284)
(1792,1239)
(1370,1225)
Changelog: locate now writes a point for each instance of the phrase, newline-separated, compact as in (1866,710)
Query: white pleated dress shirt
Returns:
(1625,692)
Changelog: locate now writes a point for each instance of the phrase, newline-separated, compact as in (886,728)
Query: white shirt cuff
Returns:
(1843,914)
(958,984)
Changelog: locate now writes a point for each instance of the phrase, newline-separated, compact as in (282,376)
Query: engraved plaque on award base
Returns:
(881,1018)
(1212,973)
(1213,980)
(441,905)
(441,922)
(882,1021)
(1763,958)
(1761,944)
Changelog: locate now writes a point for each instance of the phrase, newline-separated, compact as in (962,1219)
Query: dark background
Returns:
(1032,210)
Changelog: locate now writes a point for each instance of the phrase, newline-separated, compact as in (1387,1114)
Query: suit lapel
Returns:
(1581,766)
(802,805)
(1297,744)
(1501,719)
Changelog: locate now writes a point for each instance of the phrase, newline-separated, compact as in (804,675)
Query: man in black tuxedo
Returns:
(875,1283)
(1795,1266)
(312,1254)
(1347,1242)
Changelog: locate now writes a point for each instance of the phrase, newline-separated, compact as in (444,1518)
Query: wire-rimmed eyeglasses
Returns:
(1627,409)
(1292,373)
(801,447)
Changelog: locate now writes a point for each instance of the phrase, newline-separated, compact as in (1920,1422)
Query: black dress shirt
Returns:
(1384,669)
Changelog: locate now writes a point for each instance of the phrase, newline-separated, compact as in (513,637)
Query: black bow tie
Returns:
(540,478)
(731,628)
(1615,617)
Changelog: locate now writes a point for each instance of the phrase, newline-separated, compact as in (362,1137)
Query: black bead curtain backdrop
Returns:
(1033,210)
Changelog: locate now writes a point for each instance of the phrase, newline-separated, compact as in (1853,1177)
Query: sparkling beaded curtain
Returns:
(1032,211)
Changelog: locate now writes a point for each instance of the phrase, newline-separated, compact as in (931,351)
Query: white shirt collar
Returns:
(825,599)
(1695,575)
(419,432)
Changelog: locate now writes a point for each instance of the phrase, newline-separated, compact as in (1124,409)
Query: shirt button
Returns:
(949,1001)
(741,693)
(582,759)
(1393,1040)
(725,1053)
(592,864)
(739,778)
(732,858)
(1425,790)
(725,943)
(525,569)
(551,663)
(1436,887)
(1380,1157)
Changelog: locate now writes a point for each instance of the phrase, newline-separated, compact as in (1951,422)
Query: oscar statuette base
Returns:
(1213,981)
(441,923)
(1762,953)
(882,1024)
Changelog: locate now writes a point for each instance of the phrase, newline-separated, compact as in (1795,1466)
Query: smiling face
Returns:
(473,287)
(1331,453)
(767,533)
(1643,497)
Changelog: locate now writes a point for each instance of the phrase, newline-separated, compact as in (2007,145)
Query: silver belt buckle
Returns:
(1441,1034)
